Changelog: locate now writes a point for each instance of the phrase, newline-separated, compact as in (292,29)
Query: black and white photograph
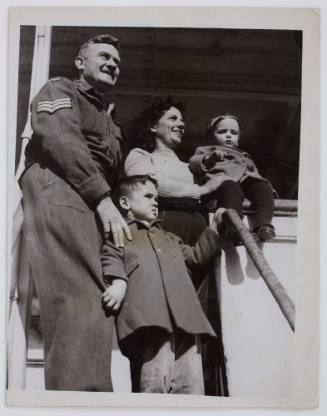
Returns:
(163,191)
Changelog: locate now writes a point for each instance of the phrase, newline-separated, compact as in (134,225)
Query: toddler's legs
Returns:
(261,196)
(229,195)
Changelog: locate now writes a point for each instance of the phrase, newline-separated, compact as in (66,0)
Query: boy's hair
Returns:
(216,120)
(128,184)
(105,38)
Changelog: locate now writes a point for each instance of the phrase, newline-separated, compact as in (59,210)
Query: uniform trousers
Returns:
(63,244)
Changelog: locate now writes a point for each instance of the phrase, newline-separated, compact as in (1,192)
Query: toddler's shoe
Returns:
(266,232)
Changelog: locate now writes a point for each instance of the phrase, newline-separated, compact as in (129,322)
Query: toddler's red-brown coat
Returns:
(160,291)
(237,164)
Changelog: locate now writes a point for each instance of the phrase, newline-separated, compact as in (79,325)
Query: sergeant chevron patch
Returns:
(53,106)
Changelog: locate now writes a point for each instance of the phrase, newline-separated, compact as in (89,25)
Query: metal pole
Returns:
(276,288)
(20,279)
(40,75)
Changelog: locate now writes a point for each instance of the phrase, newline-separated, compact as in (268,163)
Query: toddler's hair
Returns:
(216,120)
(129,183)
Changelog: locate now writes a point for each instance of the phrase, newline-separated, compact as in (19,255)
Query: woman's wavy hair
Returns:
(216,120)
(141,134)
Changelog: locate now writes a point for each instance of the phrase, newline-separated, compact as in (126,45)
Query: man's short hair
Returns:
(129,183)
(105,38)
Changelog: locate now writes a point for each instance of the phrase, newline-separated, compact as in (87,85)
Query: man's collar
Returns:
(88,90)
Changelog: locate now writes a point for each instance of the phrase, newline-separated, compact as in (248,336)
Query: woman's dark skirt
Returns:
(186,218)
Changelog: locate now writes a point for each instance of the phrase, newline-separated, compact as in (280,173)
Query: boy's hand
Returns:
(114,295)
(217,219)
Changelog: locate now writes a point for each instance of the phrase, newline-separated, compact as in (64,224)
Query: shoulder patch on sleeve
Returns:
(53,106)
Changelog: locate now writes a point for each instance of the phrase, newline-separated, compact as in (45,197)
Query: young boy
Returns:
(161,320)
(238,175)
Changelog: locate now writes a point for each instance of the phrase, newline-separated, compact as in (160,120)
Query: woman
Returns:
(157,133)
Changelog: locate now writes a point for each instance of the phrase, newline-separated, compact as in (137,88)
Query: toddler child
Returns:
(238,175)
(160,319)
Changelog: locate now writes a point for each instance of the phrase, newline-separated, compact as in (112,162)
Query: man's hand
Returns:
(217,219)
(114,295)
(113,222)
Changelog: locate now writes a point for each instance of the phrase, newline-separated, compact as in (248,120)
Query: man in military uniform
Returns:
(73,160)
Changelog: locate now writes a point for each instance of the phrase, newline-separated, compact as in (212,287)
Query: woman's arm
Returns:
(170,188)
(139,162)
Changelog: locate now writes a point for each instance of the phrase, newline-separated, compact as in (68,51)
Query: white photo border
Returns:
(307,300)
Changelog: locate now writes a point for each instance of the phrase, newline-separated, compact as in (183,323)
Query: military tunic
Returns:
(73,159)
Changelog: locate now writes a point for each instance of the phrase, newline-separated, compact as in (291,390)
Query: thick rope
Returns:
(276,288)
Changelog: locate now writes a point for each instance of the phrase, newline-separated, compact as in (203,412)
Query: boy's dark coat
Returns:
(160,291)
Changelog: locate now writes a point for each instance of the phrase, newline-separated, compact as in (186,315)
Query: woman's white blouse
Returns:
(173,176)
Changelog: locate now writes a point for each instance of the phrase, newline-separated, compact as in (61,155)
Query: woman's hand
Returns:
(213,184)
